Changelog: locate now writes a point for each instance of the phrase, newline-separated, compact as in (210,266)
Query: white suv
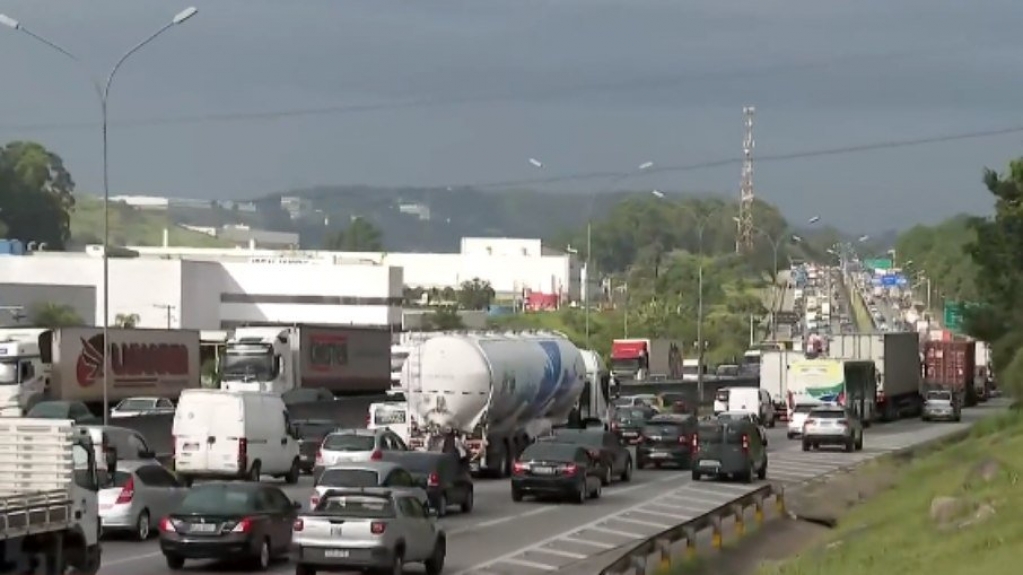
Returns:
(796,418)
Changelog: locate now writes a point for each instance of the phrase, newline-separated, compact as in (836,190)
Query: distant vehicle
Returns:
(311,433)
(136,406)
(138,495)
(306,395)
(75,411)
(391,415)
(667,439)
(361,474)
(383,530)
(557,470)
(126,444)
(941,405)
(247,521)
(832,426)
(645,400)
(753,400)
(446,480)
(729,449)
(748,417)
(628,423)
(351,445)
(615,459)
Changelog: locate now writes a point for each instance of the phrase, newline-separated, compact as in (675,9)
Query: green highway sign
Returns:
(953,316)
(878,263)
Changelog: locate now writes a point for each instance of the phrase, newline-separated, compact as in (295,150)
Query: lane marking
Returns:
(552,551)
(597,544)
(601,529)
(663,514)
(640,522)
(131,559)
(500,520)
(530,564)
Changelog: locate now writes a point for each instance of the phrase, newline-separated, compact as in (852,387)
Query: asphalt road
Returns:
(501,537)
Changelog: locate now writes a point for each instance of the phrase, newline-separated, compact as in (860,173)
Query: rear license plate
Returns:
(629,434)
(710,463)
(335,531)
(543,470)
(336,553)
(190,447)
(203,528)
(656,438)
(658,455)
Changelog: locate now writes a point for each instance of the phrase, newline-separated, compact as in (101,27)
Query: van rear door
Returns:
(207,430)
(744,399)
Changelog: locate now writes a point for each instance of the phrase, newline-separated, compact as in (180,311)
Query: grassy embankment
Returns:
(910,529)
(130,227)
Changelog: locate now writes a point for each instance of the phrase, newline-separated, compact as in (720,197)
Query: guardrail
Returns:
(677,544)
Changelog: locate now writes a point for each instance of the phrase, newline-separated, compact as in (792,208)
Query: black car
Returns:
(250,522)
(614,458)
(729,448)
(628,422)
(667,439)
(310,435)
(445,478)
(556,469)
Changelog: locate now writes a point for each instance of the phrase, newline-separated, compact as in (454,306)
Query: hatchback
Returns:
(366,474)
(726,448)
(138,495)
(348,445)
(446,480)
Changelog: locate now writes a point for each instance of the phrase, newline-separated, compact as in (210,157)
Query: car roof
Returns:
(312,421)
(360,431)
(378,466)
(148,397)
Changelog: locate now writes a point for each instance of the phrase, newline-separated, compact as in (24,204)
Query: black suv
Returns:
(667,439)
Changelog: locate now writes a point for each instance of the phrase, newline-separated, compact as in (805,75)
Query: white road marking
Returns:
(609,531)
(641,522)
(663,514)
(597,544)
(530,564)
(552,551)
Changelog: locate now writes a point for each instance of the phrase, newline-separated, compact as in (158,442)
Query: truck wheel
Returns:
(255,472)
(292,477)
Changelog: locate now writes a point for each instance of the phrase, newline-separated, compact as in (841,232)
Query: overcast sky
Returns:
(443,92)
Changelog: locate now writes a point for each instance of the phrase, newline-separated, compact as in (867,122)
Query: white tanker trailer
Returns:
(501,390)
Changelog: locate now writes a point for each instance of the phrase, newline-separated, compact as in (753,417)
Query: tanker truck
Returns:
(500,391)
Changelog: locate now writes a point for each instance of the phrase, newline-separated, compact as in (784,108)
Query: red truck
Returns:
(951,365)
(635,360)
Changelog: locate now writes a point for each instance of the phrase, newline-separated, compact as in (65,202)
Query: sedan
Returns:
(136,406)
(247,522)
(556,469)
(138,495)
(941,406)
(604,446)
(349,445)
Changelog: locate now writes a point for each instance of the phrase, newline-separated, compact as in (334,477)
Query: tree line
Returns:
(36,195)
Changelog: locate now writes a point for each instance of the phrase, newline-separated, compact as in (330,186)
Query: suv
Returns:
(832,426)
(728,448)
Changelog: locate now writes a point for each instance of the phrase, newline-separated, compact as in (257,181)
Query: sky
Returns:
(251,97)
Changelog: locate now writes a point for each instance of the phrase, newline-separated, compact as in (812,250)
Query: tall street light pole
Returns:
(103,92)
(587,266)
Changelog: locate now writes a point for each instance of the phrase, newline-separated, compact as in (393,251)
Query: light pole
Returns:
(103,92)
(589,234)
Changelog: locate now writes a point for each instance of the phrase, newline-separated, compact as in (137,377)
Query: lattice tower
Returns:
(744,235)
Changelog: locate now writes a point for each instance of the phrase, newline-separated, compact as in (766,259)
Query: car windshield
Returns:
(313,429)
(218,499)
(136,404)
(349,442)
(349,478)
(549,452)
(50,410)
(360,506)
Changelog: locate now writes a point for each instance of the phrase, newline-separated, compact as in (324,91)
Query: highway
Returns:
(501,537)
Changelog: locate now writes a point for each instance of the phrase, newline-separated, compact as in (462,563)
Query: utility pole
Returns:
(170,310)
(744,235)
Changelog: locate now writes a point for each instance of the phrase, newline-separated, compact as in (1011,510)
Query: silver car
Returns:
(355,445)
(832,426)
(941,406)
(138,495)
(366,474)
(136,406)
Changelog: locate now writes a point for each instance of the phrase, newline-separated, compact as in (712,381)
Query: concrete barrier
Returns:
(346,412)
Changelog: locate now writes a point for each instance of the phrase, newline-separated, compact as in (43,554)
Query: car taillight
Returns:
(243,454)
(569,469)
(166,525)
(745,442)
(518,468)
(369,419)
(376,455)
(433,480)
(298,525)
(127,492)
(314,500)
(594,453)
(377,527)
(319,456)
(696,444)
(843,422)
(682,440)
(243,526)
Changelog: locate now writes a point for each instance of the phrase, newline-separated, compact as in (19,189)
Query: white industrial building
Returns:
(512,266)
(182,292)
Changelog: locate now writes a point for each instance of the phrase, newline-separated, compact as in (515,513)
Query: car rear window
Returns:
(662,428)
(119,479)
(349,478)
(549,452)
(349,442)
(718,434)
(804,408)
(387,415)
(631,415)
(360,506)
(580,438)
(419,463)
(827,414)
(308,429)
(218,499)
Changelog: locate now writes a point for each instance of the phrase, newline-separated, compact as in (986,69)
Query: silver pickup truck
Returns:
(368,528)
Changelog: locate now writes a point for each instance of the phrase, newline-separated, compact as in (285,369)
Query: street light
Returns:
(589,233)
(103,92)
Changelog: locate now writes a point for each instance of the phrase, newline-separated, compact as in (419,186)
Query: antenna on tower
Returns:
(744,235)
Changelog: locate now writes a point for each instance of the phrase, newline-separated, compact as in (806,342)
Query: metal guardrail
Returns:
(677,544)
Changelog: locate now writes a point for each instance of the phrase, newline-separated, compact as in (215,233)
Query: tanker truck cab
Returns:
(233,435)
(258,359)
(22,376)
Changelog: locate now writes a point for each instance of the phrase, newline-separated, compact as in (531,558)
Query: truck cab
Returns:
(23,376)
(259,359)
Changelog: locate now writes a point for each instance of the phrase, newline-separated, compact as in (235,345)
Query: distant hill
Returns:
(130,226)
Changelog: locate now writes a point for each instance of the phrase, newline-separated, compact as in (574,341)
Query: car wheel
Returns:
(641,463)
(595,494)
(142,526)
(292,477)
(442,506)
(850,445)
(791,435)
(806,446)
(697,475)
(174,562)
(304,570)
(261,562)
(255,472)
(762,472)
(581,495)
(606,479)
(859,443)
(747,476)
(435,564)
(516,494)
(469,502)
(627,474)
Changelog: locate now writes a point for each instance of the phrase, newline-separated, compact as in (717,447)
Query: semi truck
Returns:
(499,391)
(951,365)
(49,515)
(774,373)
(22,373)
(639,360)
(896,356)
(345,360)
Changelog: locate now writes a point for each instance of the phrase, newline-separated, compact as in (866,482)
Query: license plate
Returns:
(336,553)
(190,447)
(629,434)
(710,463)
(543,470)
(336,532)
(203,528)
(656,437)
(657,455)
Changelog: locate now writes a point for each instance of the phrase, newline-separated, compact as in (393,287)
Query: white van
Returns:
(746,400)
(233,434)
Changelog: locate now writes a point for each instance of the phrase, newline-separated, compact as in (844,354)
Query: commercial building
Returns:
(166,292)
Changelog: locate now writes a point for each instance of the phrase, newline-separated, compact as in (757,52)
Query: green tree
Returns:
(36,194)
(126,320)
(360,236)
(54,315)
(442,319)
(476,294)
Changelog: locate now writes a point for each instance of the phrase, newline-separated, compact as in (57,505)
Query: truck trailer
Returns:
(345,360)
(500,391)
(640,360)
(951,365)
(897,358)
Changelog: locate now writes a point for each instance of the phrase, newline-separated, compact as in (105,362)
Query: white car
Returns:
(136,406)
(797,417)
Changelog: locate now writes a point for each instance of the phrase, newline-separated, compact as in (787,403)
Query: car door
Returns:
(284,513)
(161,490)
(620,455)
(420,525)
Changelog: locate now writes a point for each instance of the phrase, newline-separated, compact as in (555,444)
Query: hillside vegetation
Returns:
(130,226)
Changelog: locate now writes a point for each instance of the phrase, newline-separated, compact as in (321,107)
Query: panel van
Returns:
(219,434)
(746,400)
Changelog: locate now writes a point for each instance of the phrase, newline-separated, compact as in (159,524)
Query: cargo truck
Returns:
(951,365)
(345,360)
(774,373)
(852,383)
(640,360)
(896,356)
(49,486)
(499,391)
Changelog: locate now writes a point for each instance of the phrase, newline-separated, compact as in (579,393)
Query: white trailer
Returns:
(774,374)
(897,358)
(499,390)
(48,497)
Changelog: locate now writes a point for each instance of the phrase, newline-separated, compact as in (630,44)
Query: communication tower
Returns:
(744,235)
